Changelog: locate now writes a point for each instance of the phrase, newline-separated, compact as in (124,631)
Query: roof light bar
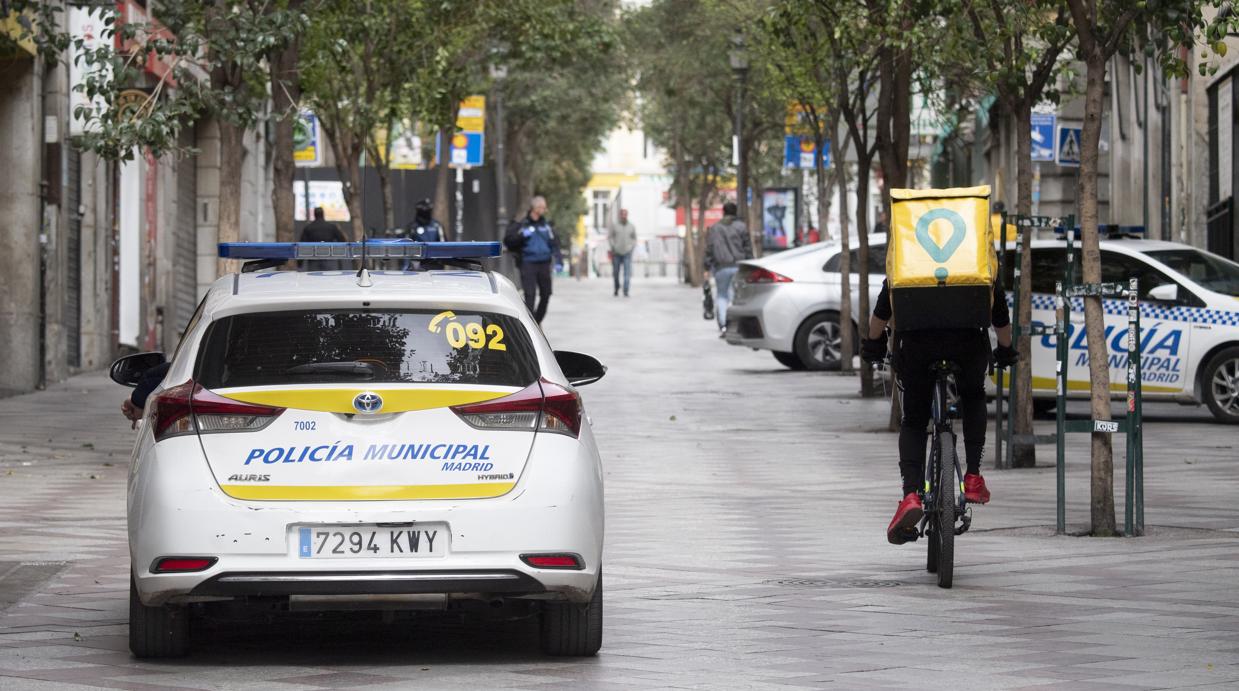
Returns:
(374,249)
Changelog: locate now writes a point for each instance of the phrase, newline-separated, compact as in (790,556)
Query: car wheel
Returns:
(571,629)
(789,360)
(156,631)
(1042,407)
(1220,385)
(818,341)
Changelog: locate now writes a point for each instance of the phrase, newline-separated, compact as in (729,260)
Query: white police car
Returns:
(1189,314)
(366,440)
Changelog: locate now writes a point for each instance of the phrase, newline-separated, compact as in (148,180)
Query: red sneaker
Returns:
(903,526)
(975,490)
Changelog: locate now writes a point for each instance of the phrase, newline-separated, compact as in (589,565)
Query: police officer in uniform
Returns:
(533,239)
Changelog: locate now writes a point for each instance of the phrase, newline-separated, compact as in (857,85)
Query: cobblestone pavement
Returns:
(745,549)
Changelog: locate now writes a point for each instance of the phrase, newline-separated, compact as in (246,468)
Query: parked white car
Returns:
(1189,312)
(788,303)
(396,439)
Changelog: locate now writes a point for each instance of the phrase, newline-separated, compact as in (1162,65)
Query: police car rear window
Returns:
(350,346)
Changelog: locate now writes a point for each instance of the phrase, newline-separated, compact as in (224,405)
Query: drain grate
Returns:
(830,583)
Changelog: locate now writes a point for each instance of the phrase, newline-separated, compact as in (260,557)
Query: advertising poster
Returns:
(778,216)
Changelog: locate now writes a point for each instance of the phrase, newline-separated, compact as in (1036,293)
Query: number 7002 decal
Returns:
(470,333)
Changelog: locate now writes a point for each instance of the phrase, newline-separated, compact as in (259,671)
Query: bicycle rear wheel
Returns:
(944,500)
(931,531)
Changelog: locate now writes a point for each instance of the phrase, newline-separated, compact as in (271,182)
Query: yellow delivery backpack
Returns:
(940,261)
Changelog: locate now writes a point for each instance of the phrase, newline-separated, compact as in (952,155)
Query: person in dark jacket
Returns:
(914,352)
(135,406)
(532,238)
(423,228)
(727,243)
(322,230)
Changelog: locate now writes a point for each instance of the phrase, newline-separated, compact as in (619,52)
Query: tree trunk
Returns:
(846,333)
(231,166)
(285,95)
(1023,455)
(1102,484)
(684,197)
(389,209)
(442,179)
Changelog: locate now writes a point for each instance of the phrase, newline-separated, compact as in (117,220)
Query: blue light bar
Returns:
(375,249)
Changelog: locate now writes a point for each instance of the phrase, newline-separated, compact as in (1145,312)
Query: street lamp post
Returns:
(739,59)
(499,72)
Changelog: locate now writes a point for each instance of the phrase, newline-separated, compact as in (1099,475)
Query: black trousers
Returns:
(915,353)
(536,282)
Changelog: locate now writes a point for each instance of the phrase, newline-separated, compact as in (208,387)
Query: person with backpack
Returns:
(935,321)
(532,238)
(727,243)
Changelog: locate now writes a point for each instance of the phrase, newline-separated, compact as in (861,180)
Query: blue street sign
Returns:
(799,151)
(1069,147)
(466,149)
(1043,136)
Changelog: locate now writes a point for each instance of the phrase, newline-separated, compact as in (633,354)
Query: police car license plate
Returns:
(360,541)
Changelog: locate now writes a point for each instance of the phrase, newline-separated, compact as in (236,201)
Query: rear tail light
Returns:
(553,561)
(188,408)
(542,406)
(756,274)
(183,564)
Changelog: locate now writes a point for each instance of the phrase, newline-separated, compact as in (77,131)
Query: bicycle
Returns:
(943,507)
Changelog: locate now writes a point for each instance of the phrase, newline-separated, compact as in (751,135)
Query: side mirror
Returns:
(579,368)
(1168,292)
(128,371)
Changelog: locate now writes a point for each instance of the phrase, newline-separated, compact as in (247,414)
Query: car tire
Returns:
(818,339)
(1042,408)
(156,631)
(570,629)
(1219,386)
(789,360)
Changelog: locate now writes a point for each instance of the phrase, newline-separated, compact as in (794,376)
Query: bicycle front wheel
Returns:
(944,520)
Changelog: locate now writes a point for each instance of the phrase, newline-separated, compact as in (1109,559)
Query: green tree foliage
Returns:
(565,89)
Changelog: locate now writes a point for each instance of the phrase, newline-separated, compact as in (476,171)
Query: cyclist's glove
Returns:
(1005,356)
(873,349)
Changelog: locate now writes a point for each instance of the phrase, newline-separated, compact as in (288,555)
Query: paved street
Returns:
(746,509)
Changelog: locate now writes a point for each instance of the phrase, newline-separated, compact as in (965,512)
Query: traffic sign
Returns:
(1068,147)
(1043,136)
(799,152)
(466,149)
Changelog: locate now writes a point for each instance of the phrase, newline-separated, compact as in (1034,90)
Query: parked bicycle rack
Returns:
(1131,424)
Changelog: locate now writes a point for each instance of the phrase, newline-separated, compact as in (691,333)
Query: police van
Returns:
(1189,318)
(365,440)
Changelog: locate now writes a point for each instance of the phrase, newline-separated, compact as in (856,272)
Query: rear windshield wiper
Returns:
(352,368)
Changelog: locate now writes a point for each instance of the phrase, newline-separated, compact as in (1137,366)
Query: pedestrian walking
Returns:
(322,230)
(727,243)
(532,238)
(622,236)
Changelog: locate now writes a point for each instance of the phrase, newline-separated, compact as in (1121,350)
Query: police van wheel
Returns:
(788,360)
(1220,385)
(571,629)
(818,341)
(156,631)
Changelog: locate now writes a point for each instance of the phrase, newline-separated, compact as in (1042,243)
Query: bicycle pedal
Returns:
(964,524)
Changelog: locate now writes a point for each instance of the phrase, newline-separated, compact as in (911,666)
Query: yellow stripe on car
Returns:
(341,400)
(479,490)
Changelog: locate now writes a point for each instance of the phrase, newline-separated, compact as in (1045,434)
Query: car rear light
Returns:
(542,406)
(756,274)
(183,564)
(553,561)
(188,408)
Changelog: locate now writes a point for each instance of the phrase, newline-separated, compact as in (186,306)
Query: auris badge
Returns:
(367,402)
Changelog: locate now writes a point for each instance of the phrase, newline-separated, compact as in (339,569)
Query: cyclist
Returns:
(915,351)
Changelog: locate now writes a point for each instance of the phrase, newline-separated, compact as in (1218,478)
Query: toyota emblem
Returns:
(367,402)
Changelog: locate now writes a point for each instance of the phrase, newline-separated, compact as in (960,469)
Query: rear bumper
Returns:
(177,509)
(767,319)
(279,584)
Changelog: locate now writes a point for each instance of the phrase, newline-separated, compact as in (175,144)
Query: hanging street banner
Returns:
(1043,137)
(1069,147)
(406,145)
(307,141)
